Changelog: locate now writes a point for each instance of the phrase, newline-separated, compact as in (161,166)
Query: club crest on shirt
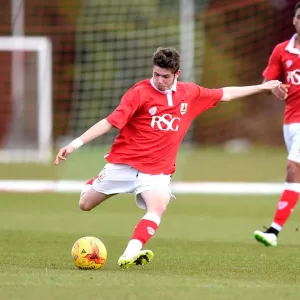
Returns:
(183,108)
(152,110)
(288,63)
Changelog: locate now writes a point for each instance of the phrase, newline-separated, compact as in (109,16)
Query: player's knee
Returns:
(293,172)
(83,202)
(84,205)
(161,209)
(158,209)
(156,202)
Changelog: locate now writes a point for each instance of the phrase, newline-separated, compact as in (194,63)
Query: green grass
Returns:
(204,249)
(198,164)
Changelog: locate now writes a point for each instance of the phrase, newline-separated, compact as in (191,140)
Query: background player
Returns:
(285,61)
(153,117)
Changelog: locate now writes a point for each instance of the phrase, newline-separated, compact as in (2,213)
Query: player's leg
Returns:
(290,195)
(112,180)
(89,198)
(155,197)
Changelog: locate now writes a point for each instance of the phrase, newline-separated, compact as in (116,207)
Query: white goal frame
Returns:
(43,47)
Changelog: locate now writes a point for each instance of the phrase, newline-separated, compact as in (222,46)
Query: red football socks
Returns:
(144,230)
(285,207)
(142,233)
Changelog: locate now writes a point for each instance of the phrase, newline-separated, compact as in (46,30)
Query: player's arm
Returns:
(100,128)
(95,131)
(274,71)
(118,118)
(234,92)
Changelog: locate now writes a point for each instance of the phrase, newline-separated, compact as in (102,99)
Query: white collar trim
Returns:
(173,87)
(291,45)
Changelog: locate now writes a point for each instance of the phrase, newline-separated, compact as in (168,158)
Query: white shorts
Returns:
(291,133)
(121,178)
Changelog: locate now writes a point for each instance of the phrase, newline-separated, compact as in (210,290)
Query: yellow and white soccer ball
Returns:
(89,253)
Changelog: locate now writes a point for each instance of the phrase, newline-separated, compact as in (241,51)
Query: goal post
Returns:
(18,143)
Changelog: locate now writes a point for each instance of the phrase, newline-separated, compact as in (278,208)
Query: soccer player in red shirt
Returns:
(153,117)
(285,61)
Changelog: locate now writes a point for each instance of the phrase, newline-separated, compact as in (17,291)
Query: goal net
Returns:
(115,41)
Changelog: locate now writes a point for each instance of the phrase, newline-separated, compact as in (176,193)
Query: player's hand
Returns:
(270,85)
(63,153)
(281,91)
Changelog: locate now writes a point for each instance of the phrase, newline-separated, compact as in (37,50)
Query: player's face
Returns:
(296,21)
(164,78)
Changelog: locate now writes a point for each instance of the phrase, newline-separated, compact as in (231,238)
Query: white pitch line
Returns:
(70,186)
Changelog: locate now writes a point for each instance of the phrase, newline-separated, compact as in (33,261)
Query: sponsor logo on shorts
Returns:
(101,176)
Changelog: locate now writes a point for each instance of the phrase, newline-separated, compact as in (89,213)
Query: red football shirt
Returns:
(285,60)
(152,124)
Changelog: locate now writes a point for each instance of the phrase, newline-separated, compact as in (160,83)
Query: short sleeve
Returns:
(128,106)
(205,98)
(274,69)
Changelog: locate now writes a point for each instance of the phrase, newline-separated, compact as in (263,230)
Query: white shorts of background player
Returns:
(291,133)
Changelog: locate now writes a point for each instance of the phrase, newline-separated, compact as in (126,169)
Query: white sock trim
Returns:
(295,187)
(276,226)
(133,247)
(152,217)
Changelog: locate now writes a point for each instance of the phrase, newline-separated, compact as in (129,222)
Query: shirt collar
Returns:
(291,45)
(169,91)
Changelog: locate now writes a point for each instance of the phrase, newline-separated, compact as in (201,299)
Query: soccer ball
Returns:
(89,253)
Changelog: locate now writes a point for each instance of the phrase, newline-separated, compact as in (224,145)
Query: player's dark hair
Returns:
(296,7)
(167,58)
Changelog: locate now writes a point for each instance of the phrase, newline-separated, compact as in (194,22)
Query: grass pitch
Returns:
(204,249)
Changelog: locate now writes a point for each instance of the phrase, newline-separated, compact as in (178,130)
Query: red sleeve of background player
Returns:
(205,98)
(274,69)
(127,107)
